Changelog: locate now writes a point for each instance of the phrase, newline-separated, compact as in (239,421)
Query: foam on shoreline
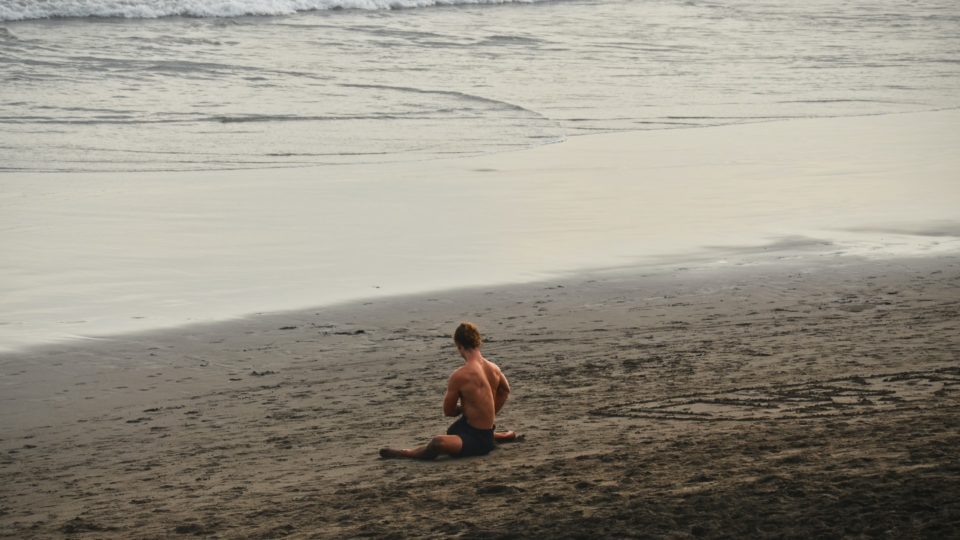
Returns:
(142,9)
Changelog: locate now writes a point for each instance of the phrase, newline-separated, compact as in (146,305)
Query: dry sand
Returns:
(803,399)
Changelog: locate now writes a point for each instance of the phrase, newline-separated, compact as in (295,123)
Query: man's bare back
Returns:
(476,392)
(472,391)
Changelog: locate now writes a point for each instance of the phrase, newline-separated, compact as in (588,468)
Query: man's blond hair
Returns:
(467,336)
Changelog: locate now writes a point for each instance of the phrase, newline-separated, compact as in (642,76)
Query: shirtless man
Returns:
(476,391)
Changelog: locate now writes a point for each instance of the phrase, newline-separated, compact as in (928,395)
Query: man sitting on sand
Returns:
(477,392)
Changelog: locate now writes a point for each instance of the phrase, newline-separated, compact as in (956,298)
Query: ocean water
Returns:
(164,162)
(136,85)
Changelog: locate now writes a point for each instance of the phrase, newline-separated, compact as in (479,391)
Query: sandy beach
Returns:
(715,246)
(812,398)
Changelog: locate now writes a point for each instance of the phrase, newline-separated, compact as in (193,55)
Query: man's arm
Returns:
(451,407)
(501,394)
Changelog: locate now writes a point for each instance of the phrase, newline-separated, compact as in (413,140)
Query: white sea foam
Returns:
(19,10)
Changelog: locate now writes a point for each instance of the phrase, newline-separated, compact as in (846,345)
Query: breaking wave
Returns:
(19,10)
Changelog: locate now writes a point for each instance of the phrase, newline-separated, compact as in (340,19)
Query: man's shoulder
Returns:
(460,374)
(490,364)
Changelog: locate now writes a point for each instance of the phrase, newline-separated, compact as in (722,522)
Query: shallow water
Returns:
(380,85)
(120,209)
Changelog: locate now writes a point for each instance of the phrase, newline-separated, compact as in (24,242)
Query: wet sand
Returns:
(101,254)
(812,398)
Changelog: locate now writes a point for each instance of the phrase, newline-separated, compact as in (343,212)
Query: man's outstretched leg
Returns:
(441,444)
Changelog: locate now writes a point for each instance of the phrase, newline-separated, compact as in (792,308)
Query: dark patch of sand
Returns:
(817,400)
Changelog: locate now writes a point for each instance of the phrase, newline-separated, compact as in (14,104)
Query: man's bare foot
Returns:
(507,436)
(390,453)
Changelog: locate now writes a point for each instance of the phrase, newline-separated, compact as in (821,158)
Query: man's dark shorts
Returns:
(476,442)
